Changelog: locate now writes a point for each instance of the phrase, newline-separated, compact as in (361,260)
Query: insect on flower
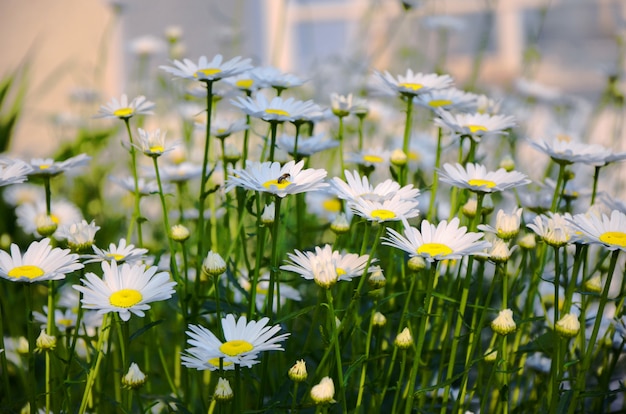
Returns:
(283,178)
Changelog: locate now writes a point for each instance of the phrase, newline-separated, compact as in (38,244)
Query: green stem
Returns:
(204,178)
(93,372)
(433,189)
(273,129)
(274,260)
(338,361)
(30,334)
(557,188)
(407,135)
(136,210)
(340,139)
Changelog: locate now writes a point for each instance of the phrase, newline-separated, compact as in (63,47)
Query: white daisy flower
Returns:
(278,109)
(413,84)
(120,253)
(393,209)
(243,342)
(40,262)
(79,235)
(609,231)
(145,187)
(341,105)
(223,127)
(125,289)
(152,143)
(176,173)
(609,201)
(566,151)
(262,289)
(63,320)
(307,146)
(370,157)
(507,225)
(205,70)
(441,242)
(62,212)
(270,177)
(448,99)
(244,82)
(358,187)
(49,167)
(26,193)
(554,229)
(13,171)
(476,178)
(123,109)
(271,77)
(326,266)
(476,126)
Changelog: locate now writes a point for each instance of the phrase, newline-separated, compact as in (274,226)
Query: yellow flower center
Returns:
(477,182)
(260,289)
(563,138)
(277,112)
(236,347)
(123,112)
(436,103)
(44,166)
(372,158)
(434,249)
(410,85)
(333,205)
(216,362)
(115,256)
(244,83)
(65,322)
(616,238)
(221,130)
(28,271)
(157,148)
(125,298)
(383,214)
(206,72)
(55,218)
(279,185)
(475,128)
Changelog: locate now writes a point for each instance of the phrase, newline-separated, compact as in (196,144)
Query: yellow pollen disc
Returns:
(383,214)
(436,103)
(44,166)
(206,72)
(123,112)
(372,158)
(277,112)
(274,183)
(261,290)
(55,218)
(157,148)
(564,138)
(434,249)
(244,83)
(216,362)
(221,130)
(477,182)
(412,86)
(115,256)
(125,298)
(28,271)
(476,128)
(236,347)
(340,271)
(333,205)
(415,156)
(616,238)
(65,322)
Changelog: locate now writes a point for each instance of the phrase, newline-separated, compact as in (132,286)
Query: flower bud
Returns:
(134,378)
(399,158)
(340,225)
(469,208)
(504,324)
(179,233)
(45,342)
(490,355)
(527,242)
(213,264)
(46,225)
(223,391)
(507,163)
(269,212)
(416,263)
(323,392)
(594,284)
(379,320)
(376,279)
(404,339)
(568,326)
(297,373)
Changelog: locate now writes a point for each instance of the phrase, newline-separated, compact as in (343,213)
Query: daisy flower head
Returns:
(262,290)
(208,71)
(507,225)
(306,146)
(271,77)
(79,236)
(444,241)
(326,266)
(40,262)
(222,128)
(393,209)
(125,289)
(413,84)
(145,187)
(120,253)
(563,150)
(124,110)
(244,341)
(476,126)
(448,99)
(341,105)
(277,109)
(62,212)
(244,82)
(609,231)
(182,172)
(152,143)
(358,187)
(13,171)
(370,158)
(270,177)
(49,167)
(476,178)
(554,229)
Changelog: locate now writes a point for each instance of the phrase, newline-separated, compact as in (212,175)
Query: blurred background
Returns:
(70,56)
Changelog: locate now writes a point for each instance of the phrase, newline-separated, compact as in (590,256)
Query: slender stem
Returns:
(204,178)
(433,188)
(274,260)
(596,177)
(93,372)
(368,344)
(338,361)
(340,139)
(30,334)
(136,210)
(558,192)
(407,135)
(260,247)
(273,129)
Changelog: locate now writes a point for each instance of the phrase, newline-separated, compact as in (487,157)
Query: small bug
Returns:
(283,177)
